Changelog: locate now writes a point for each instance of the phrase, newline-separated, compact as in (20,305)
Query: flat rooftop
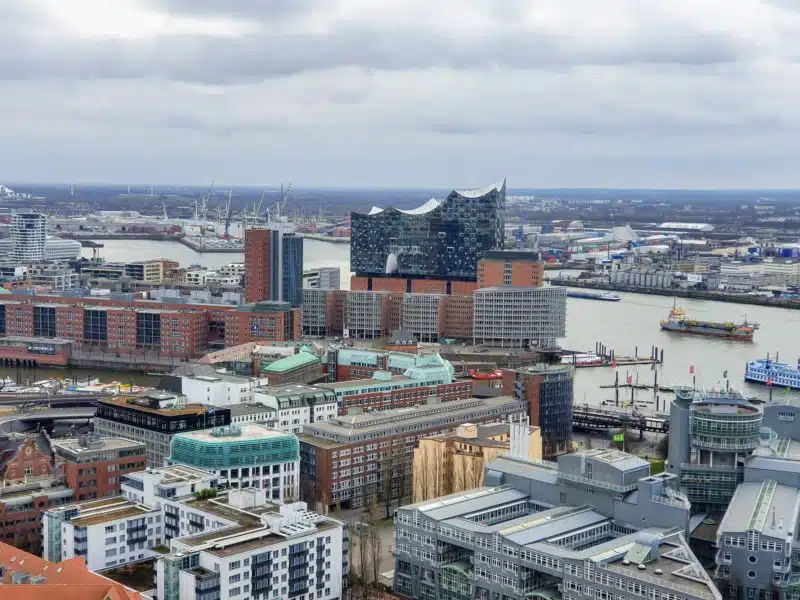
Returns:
(763,506)
(188,409)
(247,431)
(106,510)
(174,474)
(108,443)
(289,389)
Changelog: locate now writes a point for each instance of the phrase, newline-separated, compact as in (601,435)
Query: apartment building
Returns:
(203,384)
(596,524)
(154,419)
(268,321)
(351,458)
(93,465)
(323,311)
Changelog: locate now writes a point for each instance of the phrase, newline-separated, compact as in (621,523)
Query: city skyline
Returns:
(552,94)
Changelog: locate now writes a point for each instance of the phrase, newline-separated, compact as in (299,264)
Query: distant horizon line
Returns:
(142,188)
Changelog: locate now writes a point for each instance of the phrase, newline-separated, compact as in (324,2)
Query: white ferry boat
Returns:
(771,372)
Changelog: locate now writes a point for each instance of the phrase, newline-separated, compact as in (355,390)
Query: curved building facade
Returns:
(442,239)
(243,456)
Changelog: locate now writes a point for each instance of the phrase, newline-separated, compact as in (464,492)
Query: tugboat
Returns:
(678,322)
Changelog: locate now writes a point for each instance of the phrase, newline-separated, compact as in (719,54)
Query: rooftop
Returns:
(256,408)
(132,404)
(764,506)
(68,579)
(458,410)
(289,389)
(75,445)
(289,363)
(105,511)
(174,474)
(244,432)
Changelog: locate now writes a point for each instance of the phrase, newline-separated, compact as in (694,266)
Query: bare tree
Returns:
(424,485)
(459,474)
(475,474)
(374,545)
(309,492)
(385,489)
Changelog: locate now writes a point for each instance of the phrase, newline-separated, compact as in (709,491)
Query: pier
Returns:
(605,357)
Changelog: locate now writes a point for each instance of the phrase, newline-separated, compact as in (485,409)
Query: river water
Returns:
(634,321)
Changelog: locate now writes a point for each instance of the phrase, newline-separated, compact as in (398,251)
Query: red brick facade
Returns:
(242,327)
(29,461)
(100,479)
(257,264)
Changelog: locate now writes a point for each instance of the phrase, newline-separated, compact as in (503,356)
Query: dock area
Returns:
(605,357)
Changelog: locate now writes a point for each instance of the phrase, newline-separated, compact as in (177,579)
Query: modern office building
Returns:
(94,465)
(297,405)
(355,458)
(594,525)
(204,385)
(548,393)
(428,376)
(243,456)
(710,436)
(58,249)
(268,321)
(456,461)
(28,235)
(512,317)
(515,268)
(323,278)
(154,420)
(440,239)
(323,312)
(273,266)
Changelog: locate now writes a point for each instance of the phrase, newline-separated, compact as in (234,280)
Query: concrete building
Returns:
(455,462)
(105,533)
(25,576)
(154,419)
(243,456)
(511,317)
(93,465)
(28,235)
(366,315)
(596,524)
(522,269)
(241,414)
(323,278)
(710,436)
(548,392)
(422,316)
(427,376)
(296,405)
(263,322)
(352,459)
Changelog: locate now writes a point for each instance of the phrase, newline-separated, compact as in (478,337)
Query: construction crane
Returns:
(164,205)
(204,206)
(281,204)
(228,216)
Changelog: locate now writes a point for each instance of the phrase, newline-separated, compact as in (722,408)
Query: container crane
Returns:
(228,216)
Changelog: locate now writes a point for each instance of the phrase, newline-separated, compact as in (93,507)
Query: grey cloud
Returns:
(212,60)
(247,9)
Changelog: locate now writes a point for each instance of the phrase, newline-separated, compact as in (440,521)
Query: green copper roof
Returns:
(295,361)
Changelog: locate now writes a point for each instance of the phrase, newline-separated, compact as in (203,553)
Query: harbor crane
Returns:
(228,216)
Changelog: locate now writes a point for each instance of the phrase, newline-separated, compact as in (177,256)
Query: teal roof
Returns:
(289,363)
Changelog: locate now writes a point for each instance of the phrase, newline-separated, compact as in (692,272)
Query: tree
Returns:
(309,492)
(424,484)
(663,447)
(374,545)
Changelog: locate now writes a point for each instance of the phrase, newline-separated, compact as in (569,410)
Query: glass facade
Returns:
(232,451)
(148,329)
(293,270)
(440,239)
(44,321)
(2,319)
(95,325)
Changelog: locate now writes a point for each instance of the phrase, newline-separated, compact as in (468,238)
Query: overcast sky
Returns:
(450,93)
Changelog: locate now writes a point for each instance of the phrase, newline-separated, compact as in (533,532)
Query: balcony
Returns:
(720,558)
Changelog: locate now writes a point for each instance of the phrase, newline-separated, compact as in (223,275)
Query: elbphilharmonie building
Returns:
(440,239)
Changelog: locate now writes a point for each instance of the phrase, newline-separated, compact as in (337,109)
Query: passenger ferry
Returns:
(772,372)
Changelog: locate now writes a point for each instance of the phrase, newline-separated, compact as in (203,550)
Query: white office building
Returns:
(244,456)
(323,278)
(56,249)
(28,235)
